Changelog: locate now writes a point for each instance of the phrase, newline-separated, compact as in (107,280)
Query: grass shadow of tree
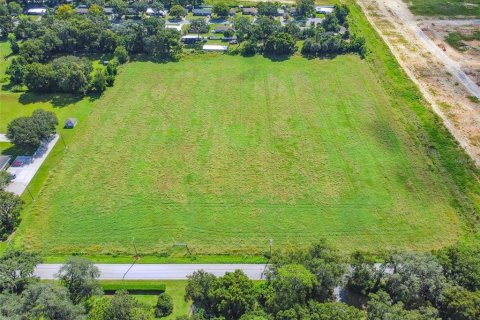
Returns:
(15,151)
(277,58)
(56,99)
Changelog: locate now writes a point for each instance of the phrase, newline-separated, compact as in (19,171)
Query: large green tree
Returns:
(382,307)
(48,301)
(165,44)
(305,8)
(292,285)
(280,43)
(16,270)
(29,131)
(10,206)
(80,277)
(177,11)
(460,304)
(125,307)
(221,9)
(234,294)
(164,306)
(417,279)
(462,265)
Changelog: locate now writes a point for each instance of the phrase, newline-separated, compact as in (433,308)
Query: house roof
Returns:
(191,36)
(324,9)
(250,10)
(202,11)
(108,10)
(221,28)
(81,10)
(173,26)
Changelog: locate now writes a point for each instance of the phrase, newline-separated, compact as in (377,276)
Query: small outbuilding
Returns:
(202,12)
(250,11)
(81,9)
(174,26)
(70,123)
(324,9)
(191,39)
(36,11)
(108,10)
(214,48)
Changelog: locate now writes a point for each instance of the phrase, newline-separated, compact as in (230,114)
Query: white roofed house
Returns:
(36,11)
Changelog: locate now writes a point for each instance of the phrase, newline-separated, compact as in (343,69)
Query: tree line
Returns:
(269,37)
(299,284)
(76,295)
(52,53)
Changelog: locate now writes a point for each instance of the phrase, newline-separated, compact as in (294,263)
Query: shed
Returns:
(280,12)
(221,29)
(214,48)
(250,11)
(232,12)
(174,26)
(108,10)
(70,123)
(324,9)
(4,160)
(37,11)
(81,9)
(191,38)
(203,12)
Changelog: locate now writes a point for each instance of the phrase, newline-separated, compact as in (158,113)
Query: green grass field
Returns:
(445,7)
(225,153)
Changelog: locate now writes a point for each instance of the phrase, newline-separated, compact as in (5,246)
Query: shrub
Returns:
(121,54)
(248,48)
(164,306)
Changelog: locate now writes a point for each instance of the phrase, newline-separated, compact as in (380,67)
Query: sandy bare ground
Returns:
(443,79)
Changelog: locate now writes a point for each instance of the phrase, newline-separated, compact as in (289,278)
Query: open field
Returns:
(225,153)
(445,8)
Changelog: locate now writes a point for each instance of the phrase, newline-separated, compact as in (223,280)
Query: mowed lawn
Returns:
(445,7)
(225,153)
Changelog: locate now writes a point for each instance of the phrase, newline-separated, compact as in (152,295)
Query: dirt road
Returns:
(441,79)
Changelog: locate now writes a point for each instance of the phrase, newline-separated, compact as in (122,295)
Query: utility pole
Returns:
(28,190)
(63,141)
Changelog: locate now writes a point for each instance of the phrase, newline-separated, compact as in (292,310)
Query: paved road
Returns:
(26,173)
(157,271)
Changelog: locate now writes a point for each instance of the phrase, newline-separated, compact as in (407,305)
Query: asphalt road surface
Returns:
(157,271)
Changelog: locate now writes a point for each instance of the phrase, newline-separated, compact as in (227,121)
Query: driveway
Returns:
(157,271)
(3,138)
(25,174)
